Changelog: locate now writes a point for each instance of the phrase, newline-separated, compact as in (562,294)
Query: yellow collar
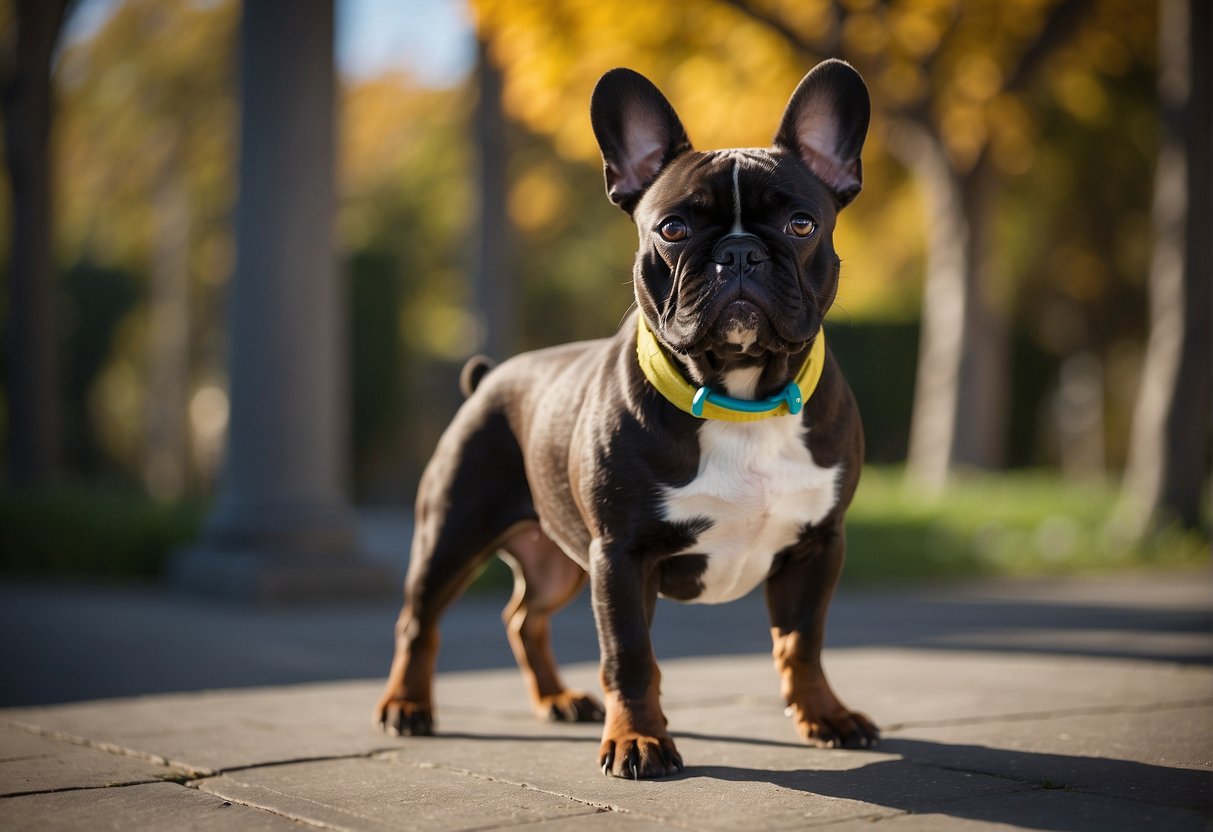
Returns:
(706,404)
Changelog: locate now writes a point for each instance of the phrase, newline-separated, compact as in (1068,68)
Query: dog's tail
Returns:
(473,372)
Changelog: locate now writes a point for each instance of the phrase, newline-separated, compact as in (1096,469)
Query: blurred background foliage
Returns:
(1059,131)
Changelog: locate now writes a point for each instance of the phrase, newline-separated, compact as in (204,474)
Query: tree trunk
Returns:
(32,366)
(960,390)
(1169,447)
(982,394)
(493,282)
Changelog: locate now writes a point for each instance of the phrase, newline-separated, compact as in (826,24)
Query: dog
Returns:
(709,446)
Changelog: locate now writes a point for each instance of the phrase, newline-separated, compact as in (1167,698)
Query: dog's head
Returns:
(736,266)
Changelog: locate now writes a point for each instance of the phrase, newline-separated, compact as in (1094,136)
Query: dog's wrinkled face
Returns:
(736,257)
(736,266)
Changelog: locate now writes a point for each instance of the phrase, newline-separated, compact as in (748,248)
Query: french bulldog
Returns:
(709,446)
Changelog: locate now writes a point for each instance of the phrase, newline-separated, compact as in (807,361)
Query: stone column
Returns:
(281,527)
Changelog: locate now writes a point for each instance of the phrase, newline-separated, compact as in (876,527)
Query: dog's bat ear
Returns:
(637,131)
(825,124)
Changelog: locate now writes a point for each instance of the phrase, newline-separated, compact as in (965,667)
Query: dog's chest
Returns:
(759,486)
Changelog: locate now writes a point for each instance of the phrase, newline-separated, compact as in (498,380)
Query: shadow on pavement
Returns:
(897,783)
(78,642)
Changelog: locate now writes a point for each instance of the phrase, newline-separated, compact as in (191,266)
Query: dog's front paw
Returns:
(635,756)
(833,727)
(570,706)
(402,718)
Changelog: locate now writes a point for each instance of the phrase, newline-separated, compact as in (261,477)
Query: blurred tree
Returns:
(1073,242)
(1168,462)
(407,218)
(30,31)
(949,75)
(949,81)
(146,185)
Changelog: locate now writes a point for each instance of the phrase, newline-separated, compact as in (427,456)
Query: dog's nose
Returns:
(738,255)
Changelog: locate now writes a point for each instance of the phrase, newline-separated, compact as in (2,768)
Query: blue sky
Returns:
(430,39)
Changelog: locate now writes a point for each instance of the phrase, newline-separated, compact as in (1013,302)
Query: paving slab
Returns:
(206,732)
(1159,757)
(375,795)
(22,745)
(32,763)
(153,807)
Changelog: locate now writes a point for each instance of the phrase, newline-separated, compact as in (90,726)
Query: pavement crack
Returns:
(595,805)
(183,769)
(226,794)
(62,789)
(293,761)
(176,772)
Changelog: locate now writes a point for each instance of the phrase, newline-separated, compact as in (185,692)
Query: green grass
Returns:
(1016,523)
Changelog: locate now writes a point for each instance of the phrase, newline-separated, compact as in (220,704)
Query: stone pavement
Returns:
(1052,704)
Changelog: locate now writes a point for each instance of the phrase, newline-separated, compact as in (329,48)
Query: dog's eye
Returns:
(673,231)
(800,225)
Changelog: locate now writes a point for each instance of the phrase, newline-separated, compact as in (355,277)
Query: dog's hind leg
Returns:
(472,496)
(544,581)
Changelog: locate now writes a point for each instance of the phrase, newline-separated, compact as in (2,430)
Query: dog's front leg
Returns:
(635,742)
(798,594)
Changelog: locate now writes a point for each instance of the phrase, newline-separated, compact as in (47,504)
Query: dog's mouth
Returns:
(741,329)
(728,322)
(746,321)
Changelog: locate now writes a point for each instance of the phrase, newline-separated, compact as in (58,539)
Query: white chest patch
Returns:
(759,486)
